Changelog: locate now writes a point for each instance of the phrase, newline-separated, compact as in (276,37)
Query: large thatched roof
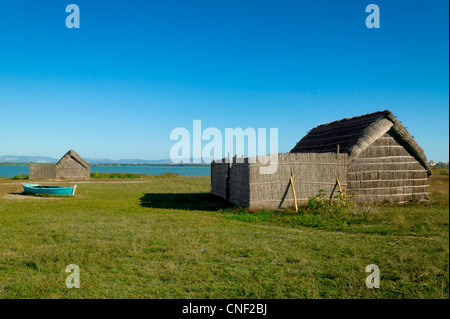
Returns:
(75,156)
(355,134)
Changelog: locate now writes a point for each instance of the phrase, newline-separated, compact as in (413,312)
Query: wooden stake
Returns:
(293,190)
(339,184)
(74,189)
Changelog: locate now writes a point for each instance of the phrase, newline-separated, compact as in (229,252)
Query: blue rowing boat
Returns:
(50,190)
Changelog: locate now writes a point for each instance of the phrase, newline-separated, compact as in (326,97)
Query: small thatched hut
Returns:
(70,167)
(377,160)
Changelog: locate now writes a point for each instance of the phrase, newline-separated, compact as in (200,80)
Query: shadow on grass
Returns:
(38,195)
(21,194)
(185,201)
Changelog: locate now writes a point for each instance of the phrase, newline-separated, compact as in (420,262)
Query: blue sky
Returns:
(135,70)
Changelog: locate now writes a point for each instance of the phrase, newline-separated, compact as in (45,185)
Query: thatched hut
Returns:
(373,156)
(384,161)
(70,167)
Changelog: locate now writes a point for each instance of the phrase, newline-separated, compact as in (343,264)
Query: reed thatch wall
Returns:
(239,191)
(310,172)
(219,177)
(42,171)
(386,172)
(249,188)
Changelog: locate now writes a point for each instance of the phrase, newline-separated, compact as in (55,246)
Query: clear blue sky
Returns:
(135,70)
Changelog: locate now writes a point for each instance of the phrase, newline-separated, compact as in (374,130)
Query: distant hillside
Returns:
(44,159)
(94,161)
(27,159)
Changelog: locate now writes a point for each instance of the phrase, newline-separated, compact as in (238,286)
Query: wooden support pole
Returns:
(340,188)
(339,184)
(293,190)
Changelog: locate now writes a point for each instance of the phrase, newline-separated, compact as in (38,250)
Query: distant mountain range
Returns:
(27,159)
(44,159)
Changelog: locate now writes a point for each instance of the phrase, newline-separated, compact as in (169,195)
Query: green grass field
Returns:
(168,238)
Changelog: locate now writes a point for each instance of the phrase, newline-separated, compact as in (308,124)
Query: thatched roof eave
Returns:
(370,134)
(408,142)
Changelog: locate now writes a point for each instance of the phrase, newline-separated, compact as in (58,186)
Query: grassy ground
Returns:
(97,175)
(167,238)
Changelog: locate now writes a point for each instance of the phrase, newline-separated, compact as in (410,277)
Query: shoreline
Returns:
(116,165)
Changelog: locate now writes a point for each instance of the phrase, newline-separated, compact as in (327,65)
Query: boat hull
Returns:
(46,189)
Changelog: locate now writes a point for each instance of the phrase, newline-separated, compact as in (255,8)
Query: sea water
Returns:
(11,171)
